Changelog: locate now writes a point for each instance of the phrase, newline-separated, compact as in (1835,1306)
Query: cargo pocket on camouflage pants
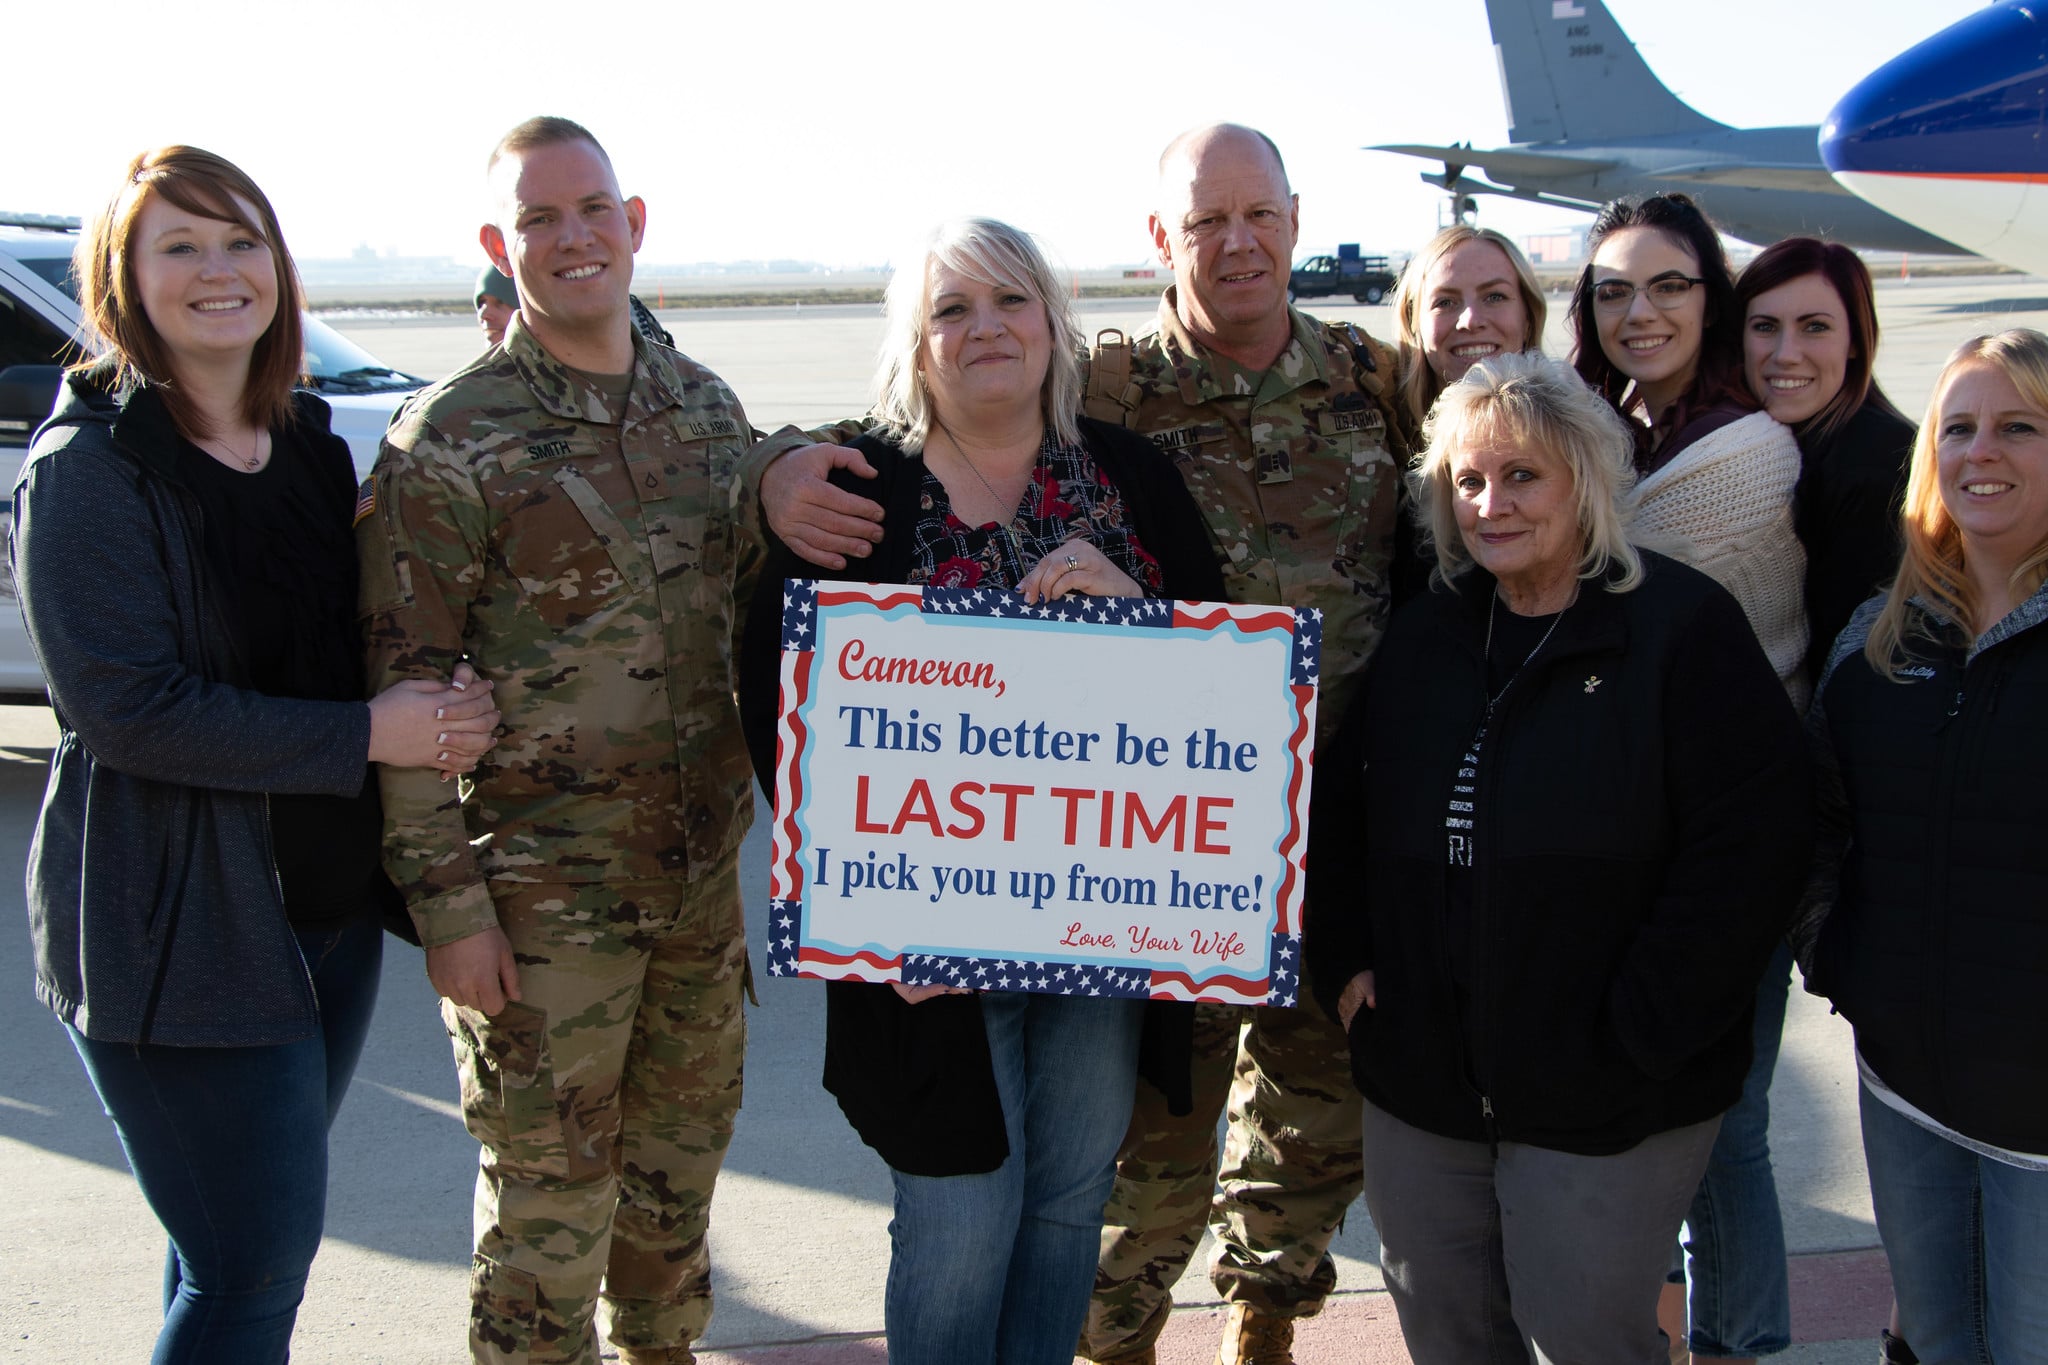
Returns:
(503,1305)
(508,1086)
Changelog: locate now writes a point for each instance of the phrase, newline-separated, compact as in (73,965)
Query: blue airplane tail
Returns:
(1568,71)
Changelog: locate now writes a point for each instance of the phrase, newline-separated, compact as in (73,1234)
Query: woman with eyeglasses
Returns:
(1659,335)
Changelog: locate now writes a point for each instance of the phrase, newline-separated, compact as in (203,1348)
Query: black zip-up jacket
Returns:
(1643,826)
(152,898)
(1846,509)
(1936,945)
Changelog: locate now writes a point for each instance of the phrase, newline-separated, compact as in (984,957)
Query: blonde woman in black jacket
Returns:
(1928,923)
(1551,851)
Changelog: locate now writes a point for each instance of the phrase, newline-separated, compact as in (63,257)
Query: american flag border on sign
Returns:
(788,953)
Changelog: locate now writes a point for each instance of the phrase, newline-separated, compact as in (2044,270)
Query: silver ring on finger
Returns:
(1073,562)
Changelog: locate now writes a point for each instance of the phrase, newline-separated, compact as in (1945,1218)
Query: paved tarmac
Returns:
(799,1235)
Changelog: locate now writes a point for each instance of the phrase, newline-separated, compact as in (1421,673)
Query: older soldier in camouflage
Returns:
(559,513)
(1287,431)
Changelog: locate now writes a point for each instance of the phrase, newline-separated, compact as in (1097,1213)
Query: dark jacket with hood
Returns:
(1642,822)
(1933,872)
(153,901)
(916,1081)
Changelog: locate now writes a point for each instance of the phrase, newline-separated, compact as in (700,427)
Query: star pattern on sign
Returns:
(783,916)
(1105,611)
(1016,974)
(799,601)
(1308,646)
(1286,959)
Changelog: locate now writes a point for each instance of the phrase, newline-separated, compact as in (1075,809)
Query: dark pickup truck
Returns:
(1368,279)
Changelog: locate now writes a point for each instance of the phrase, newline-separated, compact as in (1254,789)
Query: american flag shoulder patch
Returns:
(366,501)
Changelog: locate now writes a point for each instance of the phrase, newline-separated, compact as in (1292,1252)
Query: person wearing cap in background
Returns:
(497,299)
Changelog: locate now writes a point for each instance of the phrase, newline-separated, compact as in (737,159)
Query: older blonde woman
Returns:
(1551,851)
(998,1112)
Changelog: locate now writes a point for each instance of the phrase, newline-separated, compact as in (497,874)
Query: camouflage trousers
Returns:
(604,1099)
(1290,1169)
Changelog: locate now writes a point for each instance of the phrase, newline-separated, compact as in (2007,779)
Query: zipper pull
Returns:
(1486,1107)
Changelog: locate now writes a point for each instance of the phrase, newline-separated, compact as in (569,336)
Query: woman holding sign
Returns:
(1552,849)
(999,1113)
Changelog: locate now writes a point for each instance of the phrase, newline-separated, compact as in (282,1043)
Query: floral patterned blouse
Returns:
(1067,499)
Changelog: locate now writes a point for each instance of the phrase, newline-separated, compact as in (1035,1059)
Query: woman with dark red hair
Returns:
(1809,342)
(204,887)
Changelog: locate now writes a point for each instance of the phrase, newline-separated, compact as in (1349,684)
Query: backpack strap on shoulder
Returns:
(1375,369)
(1111,396)
(1373,377)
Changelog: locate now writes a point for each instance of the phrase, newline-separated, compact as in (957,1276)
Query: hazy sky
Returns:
(838,131)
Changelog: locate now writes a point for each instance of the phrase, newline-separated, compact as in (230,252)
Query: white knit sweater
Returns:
(1724,506)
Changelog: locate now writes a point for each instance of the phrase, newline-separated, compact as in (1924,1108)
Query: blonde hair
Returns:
(1418,385)
(1932,566)
(992,253)
(1532,400)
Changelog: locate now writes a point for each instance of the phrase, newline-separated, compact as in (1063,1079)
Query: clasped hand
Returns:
(420,723)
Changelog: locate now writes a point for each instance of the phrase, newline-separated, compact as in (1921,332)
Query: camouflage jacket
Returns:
(1298,480)
(588,566)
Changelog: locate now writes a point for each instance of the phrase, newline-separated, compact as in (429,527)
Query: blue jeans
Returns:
(1741,1300)
(229,1145)
(999,1266)
(1967,1238)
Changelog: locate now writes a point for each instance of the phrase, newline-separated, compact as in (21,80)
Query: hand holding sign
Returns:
(1079,566)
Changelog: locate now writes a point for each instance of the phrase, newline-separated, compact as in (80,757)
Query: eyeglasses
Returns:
(1666,291)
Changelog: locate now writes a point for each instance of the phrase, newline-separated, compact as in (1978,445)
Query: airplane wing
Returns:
(1755,175)
(1506,163)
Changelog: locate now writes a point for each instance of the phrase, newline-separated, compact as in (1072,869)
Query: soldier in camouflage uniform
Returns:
(1287,431)
(560,514)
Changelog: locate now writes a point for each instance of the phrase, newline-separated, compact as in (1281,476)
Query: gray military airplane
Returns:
(1588,121)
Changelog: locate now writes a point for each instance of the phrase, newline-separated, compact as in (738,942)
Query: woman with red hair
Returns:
(204,887)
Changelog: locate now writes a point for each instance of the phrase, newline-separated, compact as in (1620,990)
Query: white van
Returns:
(39,330)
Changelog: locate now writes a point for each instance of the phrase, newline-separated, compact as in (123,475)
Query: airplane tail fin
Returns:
(1567,70)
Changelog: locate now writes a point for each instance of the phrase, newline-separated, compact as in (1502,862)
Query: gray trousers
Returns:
(1488,1251)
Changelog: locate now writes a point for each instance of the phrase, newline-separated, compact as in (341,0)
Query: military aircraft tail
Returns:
(1568,71)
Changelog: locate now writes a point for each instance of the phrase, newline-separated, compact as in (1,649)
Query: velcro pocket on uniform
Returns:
(1358,444)
(385,564)
(711,536)
(508,1086)
(605,525)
